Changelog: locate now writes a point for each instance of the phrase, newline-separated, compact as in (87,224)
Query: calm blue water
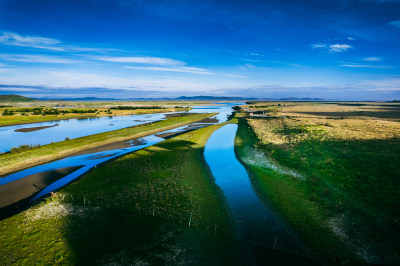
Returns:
(75,128)
(265,237)
(88,161)
(97,125)
(71,128)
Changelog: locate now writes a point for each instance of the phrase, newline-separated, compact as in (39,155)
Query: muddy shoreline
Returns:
(19,190)
(108,147)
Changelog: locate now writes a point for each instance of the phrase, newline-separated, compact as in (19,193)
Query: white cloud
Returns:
(337,48)
(372,59)
(15,39)
(234,76)
(11,38)
(18,89)
(364,66)
(37,59)
(194,70)
(332,48)
(77,80)
(318,45)
(143,60)
(395,23)
(385,89)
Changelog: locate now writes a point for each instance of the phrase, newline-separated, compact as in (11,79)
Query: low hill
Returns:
(15,98)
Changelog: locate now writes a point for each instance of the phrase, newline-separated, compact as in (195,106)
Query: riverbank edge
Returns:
(50,152)
(286,197)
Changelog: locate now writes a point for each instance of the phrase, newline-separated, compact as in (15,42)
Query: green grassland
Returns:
(157,206)
(344,199)
(10,162)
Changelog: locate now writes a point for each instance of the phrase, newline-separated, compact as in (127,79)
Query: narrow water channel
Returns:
(259,231)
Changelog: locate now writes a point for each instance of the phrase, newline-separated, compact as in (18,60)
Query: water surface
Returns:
(267,239)
(54,131)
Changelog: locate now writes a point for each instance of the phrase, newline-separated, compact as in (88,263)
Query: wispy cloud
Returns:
(332,48)
(15,39)
(395,23)
(11,38)
(337,48)
(29,58)
(234,76)
(319,45)
(18,88)
(194,70)
(158,61)
(372,59)
(365,66)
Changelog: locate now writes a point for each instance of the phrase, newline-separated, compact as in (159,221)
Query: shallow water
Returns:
(267,239)
(75,128)
(89,161)
(71,128)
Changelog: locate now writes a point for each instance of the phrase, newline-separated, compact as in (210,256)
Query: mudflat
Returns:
(21,189)
(31,129)
(109,147)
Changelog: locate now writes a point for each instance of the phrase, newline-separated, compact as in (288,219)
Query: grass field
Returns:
(156,206)
(334,175)
(10,162)
(28,117)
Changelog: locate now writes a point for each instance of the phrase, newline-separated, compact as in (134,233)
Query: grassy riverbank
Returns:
(15,161)
(158,205)
(20,117)
(333,176)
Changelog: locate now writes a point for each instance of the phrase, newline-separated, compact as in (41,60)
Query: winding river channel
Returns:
(263,237)
(77,128)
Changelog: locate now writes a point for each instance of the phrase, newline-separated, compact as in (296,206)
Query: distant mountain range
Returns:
(185,98)
(18,98)
(181,98)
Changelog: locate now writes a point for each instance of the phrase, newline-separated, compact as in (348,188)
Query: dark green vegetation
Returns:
(23,148)
(16,161)
(347,206)
(156,206)
(137,107)
(51,111)
(15,98)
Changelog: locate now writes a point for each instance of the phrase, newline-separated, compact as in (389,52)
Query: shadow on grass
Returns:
(137,210)
(108,236)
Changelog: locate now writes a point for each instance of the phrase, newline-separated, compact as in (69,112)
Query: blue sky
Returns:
(346,50)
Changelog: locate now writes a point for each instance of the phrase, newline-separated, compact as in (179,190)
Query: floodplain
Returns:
(325,172)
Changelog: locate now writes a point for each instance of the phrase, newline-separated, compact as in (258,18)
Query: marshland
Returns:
(260,182)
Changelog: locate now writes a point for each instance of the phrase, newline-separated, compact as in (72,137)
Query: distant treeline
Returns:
(136,107)
(264,106)
(51,111)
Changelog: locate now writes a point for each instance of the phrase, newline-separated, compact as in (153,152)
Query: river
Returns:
(89,161)
(261,235)
(260,232)
(53,131)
